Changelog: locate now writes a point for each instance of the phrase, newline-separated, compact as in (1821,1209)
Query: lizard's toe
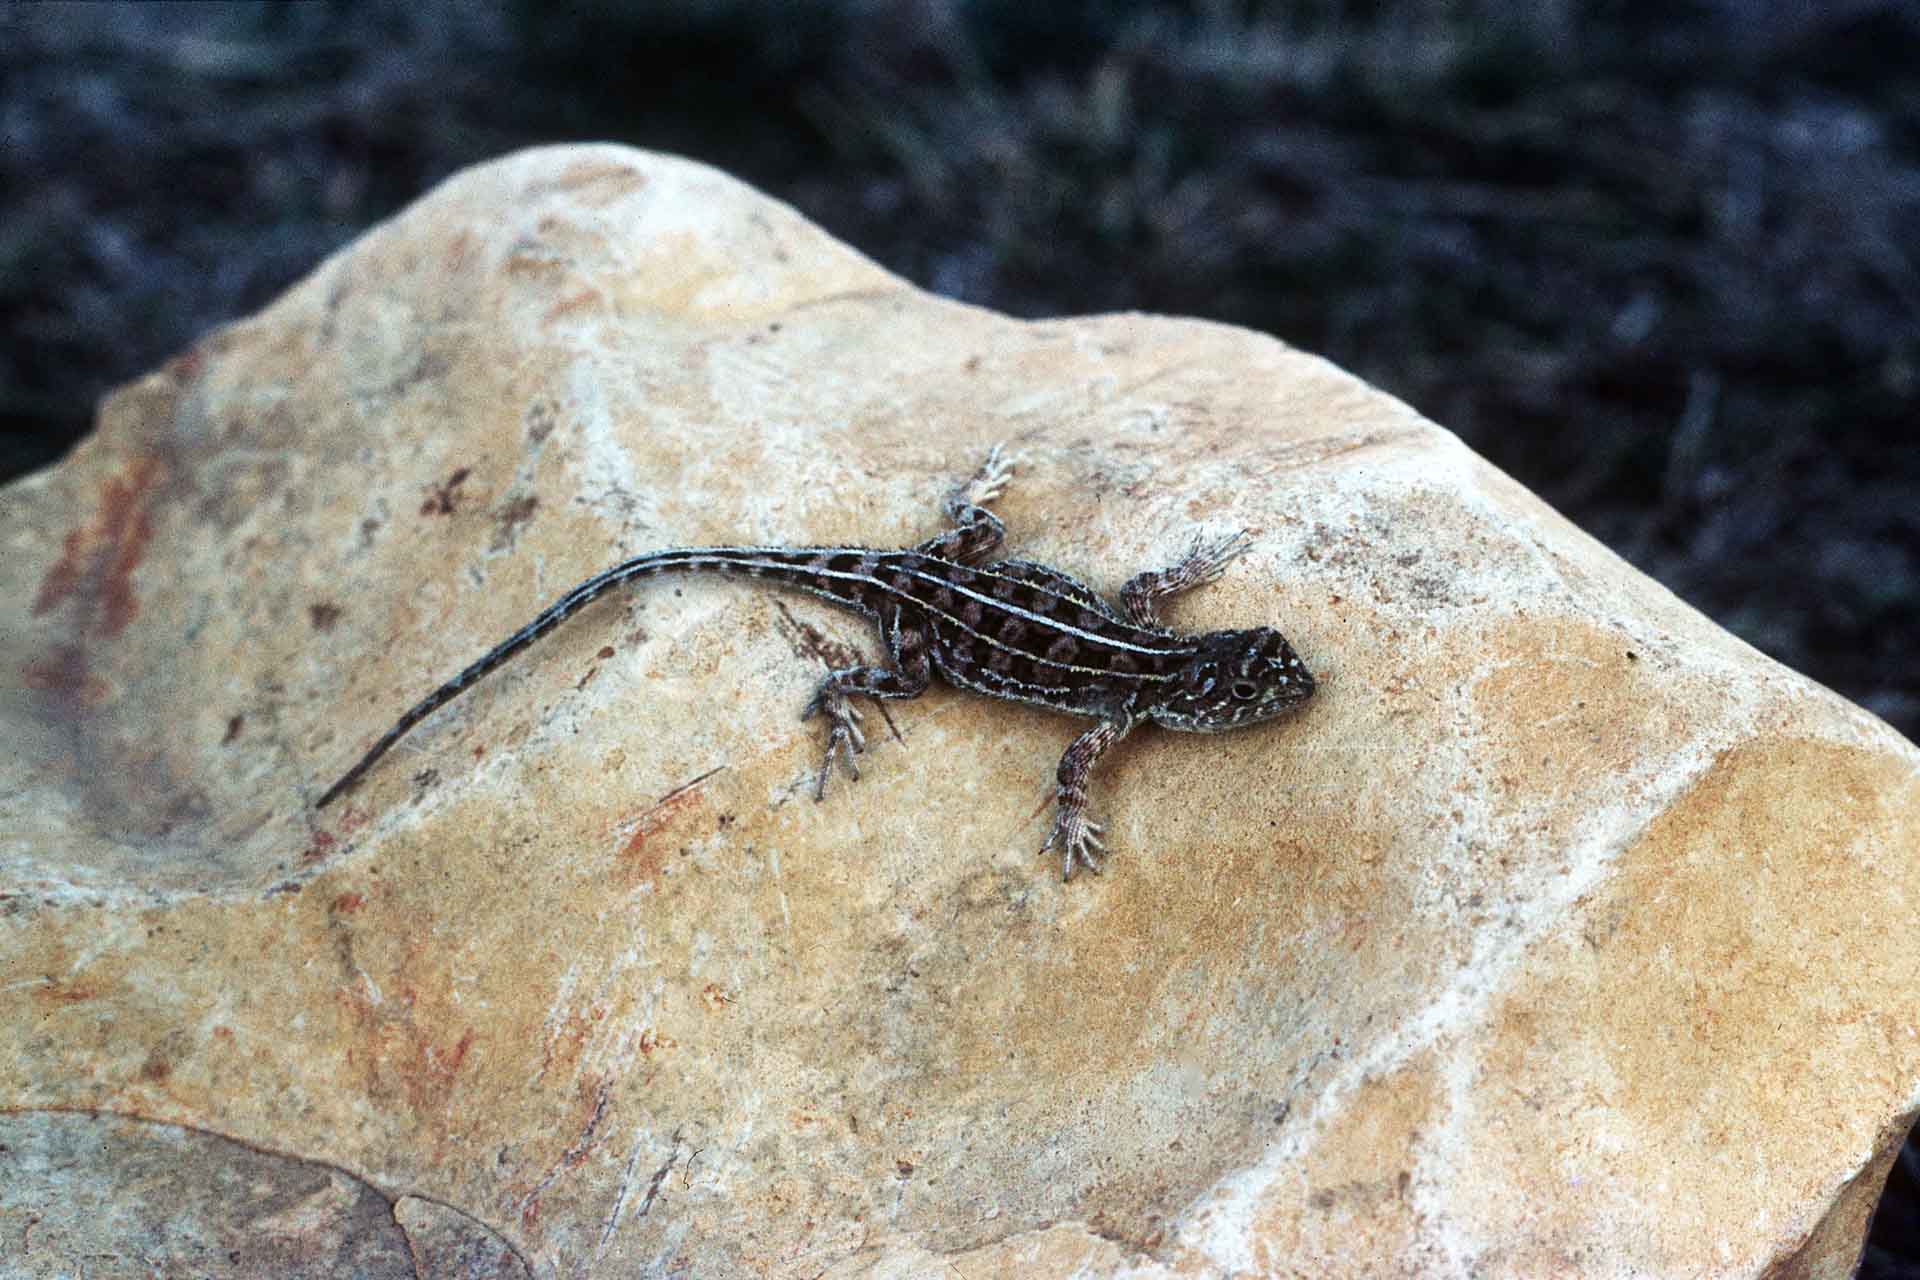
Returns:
(1077,837)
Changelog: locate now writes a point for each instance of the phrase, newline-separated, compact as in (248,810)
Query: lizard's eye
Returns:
(1244,689)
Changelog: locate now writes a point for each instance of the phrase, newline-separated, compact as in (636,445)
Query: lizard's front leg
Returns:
(1203,562)
(1077,835)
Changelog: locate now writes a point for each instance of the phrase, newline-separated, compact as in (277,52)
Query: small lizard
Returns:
(1011,629)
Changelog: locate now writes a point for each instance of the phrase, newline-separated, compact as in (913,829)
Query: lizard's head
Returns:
(1237,678)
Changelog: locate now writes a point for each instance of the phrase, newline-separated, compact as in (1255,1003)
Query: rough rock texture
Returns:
(1561,934)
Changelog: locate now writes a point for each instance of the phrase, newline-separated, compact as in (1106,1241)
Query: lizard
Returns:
(1010,629)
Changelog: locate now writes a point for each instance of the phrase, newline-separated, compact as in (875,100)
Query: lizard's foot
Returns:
(1206,561)
(1078,838)
(843,734)
(990,481)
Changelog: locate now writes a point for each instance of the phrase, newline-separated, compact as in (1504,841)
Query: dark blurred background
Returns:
(1659,260)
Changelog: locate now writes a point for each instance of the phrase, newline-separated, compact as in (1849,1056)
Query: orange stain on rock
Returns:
(323,844)
(399,1056)
(584,299)
(640,860)
(97,560)
(566,1040)
(64,673)
(57,993)
(640,864)
(402,1022)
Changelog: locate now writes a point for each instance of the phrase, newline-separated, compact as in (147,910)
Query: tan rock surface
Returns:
(1561,934)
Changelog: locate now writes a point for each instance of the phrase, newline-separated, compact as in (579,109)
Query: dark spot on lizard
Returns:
(322,616)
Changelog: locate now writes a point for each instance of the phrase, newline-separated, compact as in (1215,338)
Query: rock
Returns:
(157,1199)
(99,1188)
(1561,933)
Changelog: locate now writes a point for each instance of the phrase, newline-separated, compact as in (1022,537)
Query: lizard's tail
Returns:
(787,563)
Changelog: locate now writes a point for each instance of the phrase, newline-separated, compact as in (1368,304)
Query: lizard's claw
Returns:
(844,737)
(1206,561)
(1078,838)
(991,479)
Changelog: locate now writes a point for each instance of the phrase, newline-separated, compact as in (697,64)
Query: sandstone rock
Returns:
(1561,934)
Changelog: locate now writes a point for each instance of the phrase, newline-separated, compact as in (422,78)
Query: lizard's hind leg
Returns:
(907,679)
(1075,833)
